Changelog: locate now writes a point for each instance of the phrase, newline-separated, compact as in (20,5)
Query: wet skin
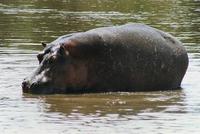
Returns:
(131,57)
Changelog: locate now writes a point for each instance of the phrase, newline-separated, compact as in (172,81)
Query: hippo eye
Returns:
(52,59)
(40,58)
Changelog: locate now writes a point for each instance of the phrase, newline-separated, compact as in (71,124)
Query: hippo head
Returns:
(56,72)
(44,79)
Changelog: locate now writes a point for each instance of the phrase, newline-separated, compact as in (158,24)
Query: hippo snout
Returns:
(36,88)
(28,87)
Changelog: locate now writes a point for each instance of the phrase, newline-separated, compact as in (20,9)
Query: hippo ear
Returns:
(40,57)
(44,44)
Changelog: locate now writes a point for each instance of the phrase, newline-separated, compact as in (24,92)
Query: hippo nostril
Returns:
(25,86)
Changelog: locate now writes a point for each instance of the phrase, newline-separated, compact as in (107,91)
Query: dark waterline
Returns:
(25,24)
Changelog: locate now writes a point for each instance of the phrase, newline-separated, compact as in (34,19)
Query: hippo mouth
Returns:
(46,88)
(36,88)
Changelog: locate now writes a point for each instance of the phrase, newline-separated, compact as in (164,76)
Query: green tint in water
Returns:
(25,24)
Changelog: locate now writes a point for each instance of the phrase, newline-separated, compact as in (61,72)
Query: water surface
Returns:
(25,24)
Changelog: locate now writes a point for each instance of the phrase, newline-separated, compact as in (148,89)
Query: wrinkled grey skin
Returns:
(131,57)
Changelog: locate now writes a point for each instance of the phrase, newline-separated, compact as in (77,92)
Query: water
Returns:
(25,24)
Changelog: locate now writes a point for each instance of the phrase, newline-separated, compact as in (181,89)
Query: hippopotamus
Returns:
(127,58)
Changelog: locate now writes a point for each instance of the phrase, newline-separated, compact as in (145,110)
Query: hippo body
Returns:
(131,57)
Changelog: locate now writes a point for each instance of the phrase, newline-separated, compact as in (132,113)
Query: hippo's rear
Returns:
(131,57)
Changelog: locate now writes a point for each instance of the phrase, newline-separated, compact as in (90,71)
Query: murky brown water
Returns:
(25,23)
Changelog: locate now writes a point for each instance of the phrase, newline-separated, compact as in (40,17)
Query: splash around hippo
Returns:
(131,57)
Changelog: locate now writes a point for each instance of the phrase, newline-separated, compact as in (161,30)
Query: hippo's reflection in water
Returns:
(121,104)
